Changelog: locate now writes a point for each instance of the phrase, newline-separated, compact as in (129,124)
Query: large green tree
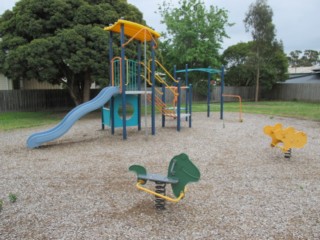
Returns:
(238,64)
(241,67)
(194,33)
(258,20)
(60,41)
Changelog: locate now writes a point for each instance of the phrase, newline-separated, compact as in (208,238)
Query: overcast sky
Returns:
(296,21)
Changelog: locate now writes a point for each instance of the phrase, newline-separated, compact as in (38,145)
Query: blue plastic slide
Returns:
(36,139)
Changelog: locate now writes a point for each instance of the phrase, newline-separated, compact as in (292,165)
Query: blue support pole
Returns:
(187,91)
(164,101)
(190,105)
(110,57)
(123,83)
(209,94)
(110,83)
(221,92)
(153,110)
(175,72)
(112,115)
(139,85)
(179,105)
(102,119)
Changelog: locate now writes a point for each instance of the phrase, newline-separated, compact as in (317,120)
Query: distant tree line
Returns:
(307,59)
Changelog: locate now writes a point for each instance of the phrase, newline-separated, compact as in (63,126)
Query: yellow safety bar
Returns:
(164,69)
(175,200)
(112,71)
(158,78)
(127,75)
(148,81)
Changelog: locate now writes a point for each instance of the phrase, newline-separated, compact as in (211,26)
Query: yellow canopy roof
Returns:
(132,29)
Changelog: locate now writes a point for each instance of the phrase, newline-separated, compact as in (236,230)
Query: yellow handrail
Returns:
(112,71)
(148,81)
(127,75)
(138,185)
(165,70)
(158,78)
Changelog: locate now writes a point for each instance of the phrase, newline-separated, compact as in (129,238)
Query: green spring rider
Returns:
(181,171)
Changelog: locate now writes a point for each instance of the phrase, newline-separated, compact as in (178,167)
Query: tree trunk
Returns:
(257,78)
(74,91)
(86,87)
(79,87)
(257,84)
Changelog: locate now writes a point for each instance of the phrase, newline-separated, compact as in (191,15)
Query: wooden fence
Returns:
(39,100)
(36,100)
(298,92)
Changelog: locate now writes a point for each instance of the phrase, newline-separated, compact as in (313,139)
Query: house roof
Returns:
(306,79)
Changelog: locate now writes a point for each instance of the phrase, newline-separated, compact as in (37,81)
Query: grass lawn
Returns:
(293,109)
(311,111)
(14,120)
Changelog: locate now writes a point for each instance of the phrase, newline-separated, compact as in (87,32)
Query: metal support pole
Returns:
(153,110)
(139,85)
(209,94)
(187,91)
(164,101)
(123,83)
(175,72)
(110,81)
(221,92)
(179,106)
(190,105)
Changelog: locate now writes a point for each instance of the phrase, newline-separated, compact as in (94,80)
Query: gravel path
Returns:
(79,187)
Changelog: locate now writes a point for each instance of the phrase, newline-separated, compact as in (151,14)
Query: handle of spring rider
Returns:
(138,185)
(172,167)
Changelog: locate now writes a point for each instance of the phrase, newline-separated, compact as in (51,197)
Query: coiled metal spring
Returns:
(160,202)
(287,154)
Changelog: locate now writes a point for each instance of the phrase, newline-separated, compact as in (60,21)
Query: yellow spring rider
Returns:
(181,171)
(288,137)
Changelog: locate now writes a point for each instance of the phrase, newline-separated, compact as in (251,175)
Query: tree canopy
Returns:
(194,34)
(241,66)
(238,63)
(261,61)
(61,41)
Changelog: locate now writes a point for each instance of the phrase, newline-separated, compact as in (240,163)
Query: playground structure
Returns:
(210,72)
(133,76)
(125,88)
(181,171)
(288,138)
(129,79)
